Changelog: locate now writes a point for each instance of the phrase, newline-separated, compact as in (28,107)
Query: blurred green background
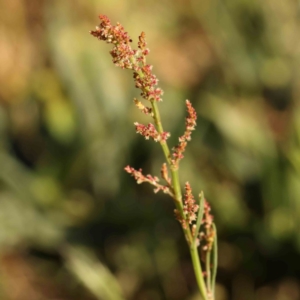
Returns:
(73,224)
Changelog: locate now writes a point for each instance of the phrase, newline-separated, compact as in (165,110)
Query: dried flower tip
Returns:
(142,41)
(146,110)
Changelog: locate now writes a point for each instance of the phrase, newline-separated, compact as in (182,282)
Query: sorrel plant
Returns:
(195,217)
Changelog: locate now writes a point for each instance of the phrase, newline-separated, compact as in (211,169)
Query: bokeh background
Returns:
(73,224)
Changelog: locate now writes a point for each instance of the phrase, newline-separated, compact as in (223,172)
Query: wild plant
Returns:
(194,216)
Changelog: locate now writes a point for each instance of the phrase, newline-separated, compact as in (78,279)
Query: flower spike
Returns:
(140,178)
(127,58)
(190,124)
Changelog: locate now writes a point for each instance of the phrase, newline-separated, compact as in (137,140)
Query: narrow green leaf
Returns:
(214,259)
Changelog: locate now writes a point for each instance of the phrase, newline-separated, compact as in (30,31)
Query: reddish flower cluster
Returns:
(127,58)
(146,82)
(207,235)
(190,124)
(116,35)
(140,178)
(149,131)
(190,208)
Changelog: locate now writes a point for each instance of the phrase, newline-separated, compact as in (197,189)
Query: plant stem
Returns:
(178,197)
(198,271)
(214,261)
(159,127)
(207,268)
(179,206)
(126,58)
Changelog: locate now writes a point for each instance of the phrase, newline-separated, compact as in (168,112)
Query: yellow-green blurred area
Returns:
(73,224)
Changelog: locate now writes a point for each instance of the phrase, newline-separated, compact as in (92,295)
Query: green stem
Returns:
(179,206)
(198,271)
(159,127)
(214,259)
(167,153)
(207,268)
(178,197)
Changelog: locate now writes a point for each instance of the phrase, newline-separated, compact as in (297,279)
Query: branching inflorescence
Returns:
(195,218)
